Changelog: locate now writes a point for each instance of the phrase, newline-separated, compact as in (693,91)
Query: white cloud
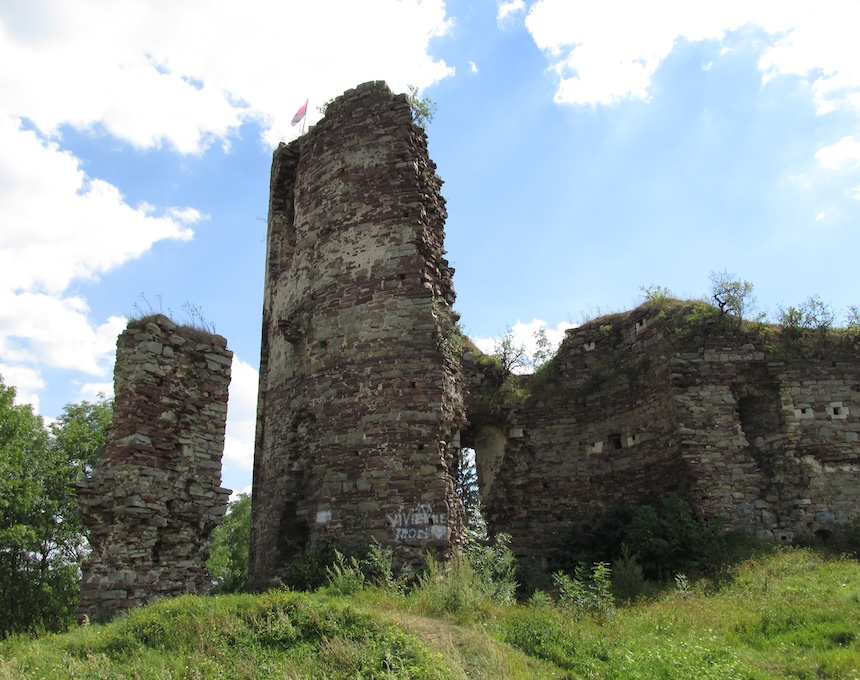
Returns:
(55,331)
(59,225)
(235,495)
(188,73)
(608,51)
(93,391)
(26,381)
(241,415)
(181,75)
(845,152)
(473,67)
(507,9)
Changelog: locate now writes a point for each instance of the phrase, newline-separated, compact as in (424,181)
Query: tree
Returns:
(731,295)
(41,538)
(228,559)
(423,108)
(512,355)
(81,430)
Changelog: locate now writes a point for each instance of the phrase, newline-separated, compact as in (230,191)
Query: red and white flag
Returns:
(300,113)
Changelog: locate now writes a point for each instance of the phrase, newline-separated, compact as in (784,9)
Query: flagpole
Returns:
(305,119)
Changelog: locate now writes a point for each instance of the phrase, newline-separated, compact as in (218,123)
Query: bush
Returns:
(494,568)
(664,538)
(587,592)
(308,570)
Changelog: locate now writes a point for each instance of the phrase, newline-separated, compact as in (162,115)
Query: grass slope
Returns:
(792,614)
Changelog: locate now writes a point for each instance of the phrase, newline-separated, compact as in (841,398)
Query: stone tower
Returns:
(155,496)
(360,399)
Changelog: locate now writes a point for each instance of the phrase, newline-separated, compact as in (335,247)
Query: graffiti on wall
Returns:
(418,524)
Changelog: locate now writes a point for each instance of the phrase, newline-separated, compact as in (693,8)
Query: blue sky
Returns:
(588,149)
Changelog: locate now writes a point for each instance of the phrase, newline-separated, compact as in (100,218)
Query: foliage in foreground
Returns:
(791,614)
(41,533)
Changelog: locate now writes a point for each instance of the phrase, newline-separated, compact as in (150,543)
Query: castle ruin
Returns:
(367,392)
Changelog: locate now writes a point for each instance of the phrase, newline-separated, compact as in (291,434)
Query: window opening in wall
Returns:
(469,492)
(837,410)
(615,441)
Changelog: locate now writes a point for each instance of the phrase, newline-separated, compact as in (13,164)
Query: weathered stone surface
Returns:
(155,497)
(627,411)
(360,385)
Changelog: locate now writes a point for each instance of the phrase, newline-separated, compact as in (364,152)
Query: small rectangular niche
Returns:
(804,412)
(614,441)
(641,325)
(836,410)
(588,346)
(596,447)
(634,439)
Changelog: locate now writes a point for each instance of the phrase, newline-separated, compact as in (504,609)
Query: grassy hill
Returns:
(793,613)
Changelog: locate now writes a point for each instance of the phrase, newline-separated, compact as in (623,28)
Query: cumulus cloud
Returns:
(606,52)
(59,224)
(93,391)
(175,75)
(27,382)
(845,152)
(188,73)
(241,415)
(507,9)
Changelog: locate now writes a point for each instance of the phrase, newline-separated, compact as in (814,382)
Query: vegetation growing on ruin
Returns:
(192,321)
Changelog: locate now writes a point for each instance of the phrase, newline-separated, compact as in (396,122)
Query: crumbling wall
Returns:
(154,498)
(638,405)
(360,389)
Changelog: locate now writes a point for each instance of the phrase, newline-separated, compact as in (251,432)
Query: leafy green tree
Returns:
(80,432)
(228,559)
(423,108)
(731,295)
(41,537)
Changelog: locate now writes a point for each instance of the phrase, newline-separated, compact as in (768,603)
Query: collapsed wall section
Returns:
(642,404)
(154,498)
(360,390)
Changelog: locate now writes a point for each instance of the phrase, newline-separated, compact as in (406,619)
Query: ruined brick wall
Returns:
(360,389)
(631,409)
(154,498)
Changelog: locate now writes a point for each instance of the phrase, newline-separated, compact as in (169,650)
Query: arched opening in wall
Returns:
(468,490)
(489,446)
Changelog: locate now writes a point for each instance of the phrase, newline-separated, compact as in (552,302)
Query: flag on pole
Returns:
(300,114)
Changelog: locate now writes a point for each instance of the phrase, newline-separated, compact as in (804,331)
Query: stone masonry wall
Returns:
(360,387)
(636,405)
(154,499)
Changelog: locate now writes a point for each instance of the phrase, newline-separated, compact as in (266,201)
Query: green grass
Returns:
(794,613)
